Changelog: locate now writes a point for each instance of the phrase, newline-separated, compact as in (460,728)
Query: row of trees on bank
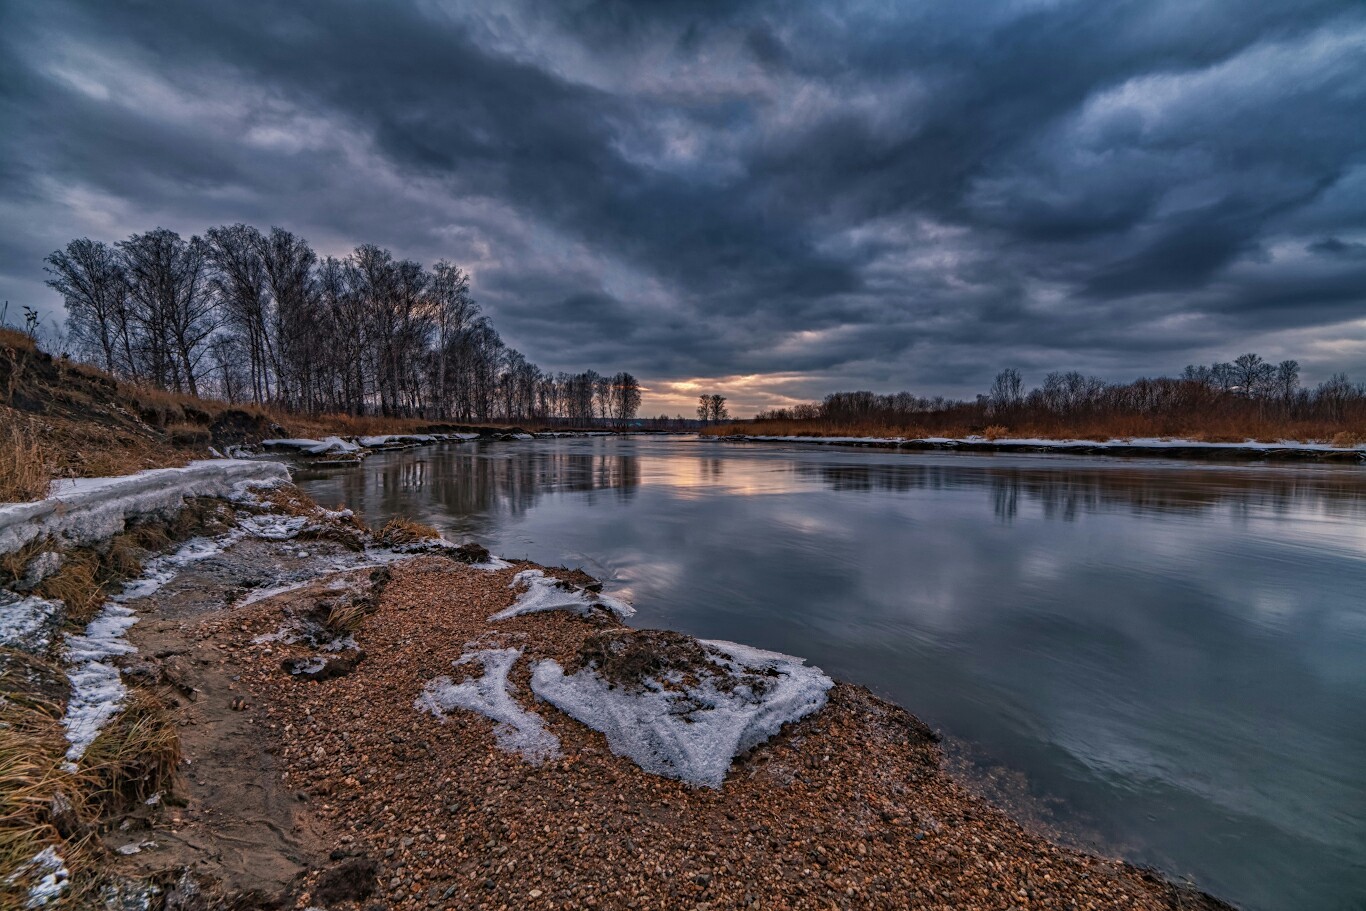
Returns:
(250,316)
(1247,392)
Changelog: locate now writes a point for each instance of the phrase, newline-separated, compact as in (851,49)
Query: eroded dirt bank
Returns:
(343,792)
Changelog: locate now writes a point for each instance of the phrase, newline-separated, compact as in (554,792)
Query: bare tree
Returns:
(1006,390)
(168,280)
(89,276)
(239,278)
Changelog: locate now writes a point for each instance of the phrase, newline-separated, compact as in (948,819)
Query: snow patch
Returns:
(690,731)
(542,593)
(50,872)
(516,729)
(27,623)
(88,510)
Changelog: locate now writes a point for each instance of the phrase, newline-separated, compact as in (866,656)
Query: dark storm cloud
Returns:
(846,193)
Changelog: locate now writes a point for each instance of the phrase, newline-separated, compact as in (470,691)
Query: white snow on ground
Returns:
(517,730)
(542,593)
(50,871)
(87,510)
(313,447)
(27,623)
(689,732)
(97,691)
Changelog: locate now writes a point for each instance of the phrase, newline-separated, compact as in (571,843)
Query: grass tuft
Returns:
(136,755)
(41,804)
(78,584)
(400,531)
(25,463)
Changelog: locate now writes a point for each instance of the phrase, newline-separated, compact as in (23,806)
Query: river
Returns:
(1172,655)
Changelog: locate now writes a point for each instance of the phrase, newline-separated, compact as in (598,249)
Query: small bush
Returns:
(1346,439)
(996,432)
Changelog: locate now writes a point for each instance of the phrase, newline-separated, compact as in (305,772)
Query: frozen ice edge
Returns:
(516,729)
(543,593)
(690,733)
(87,510)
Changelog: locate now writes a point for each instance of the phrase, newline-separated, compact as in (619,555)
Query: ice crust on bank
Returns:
(313,447)
(50,872)
(543,593)
(97,689)
(27,623)
(516,729)
(84,511)
(689,731)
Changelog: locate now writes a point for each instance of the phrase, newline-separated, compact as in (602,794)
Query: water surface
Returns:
(1174,653)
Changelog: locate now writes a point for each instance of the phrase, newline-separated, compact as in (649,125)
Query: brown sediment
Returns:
(373,803)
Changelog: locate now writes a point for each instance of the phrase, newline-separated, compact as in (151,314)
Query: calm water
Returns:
(1176,653)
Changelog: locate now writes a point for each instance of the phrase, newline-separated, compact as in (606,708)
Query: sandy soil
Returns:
(340,793)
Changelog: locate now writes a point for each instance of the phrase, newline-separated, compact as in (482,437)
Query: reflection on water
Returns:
(1178,653)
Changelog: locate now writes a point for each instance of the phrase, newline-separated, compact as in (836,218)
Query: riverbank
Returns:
(1283,451)
(330,690)
(62,420)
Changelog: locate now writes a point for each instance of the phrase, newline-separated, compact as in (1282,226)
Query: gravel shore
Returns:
(846,808)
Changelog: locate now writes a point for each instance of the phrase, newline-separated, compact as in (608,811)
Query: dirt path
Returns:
(232,822)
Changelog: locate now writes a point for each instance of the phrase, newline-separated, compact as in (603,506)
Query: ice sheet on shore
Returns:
(516,729)
(313,447)
(690,731)
(543,593)
(87,510)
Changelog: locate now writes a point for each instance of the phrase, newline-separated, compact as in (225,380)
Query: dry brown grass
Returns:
(13,338)
(79,584)
(26,465)
(996,432)
(41,804)
(136,754)
(345,616)
(13,564)
(400,531)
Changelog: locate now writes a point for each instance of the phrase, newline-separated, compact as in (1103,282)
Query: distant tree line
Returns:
(1243,393)
(257,317)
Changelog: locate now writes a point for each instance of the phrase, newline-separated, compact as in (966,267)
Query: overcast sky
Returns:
(771,200)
